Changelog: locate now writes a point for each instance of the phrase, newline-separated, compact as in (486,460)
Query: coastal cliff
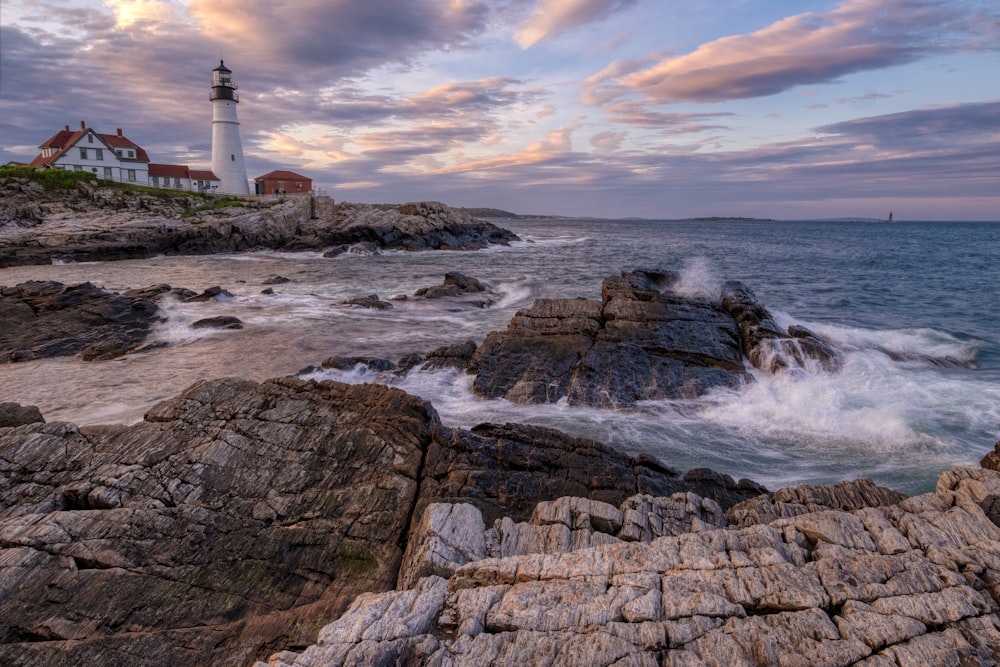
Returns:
(87,221)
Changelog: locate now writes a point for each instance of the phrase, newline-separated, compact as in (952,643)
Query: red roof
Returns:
(180,171)
(118,141)
(283,176)
(168,170)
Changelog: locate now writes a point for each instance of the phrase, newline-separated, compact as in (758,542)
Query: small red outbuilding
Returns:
(282,182)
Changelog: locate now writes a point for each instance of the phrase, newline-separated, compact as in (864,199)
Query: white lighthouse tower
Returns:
(227,150)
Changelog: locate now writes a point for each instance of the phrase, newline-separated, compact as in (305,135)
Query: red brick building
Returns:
(282,182)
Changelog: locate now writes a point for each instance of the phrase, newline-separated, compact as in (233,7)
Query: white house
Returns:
(110,156)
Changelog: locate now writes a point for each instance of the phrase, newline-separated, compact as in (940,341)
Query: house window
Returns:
(177,182)
(154,181)
(90,138)
(298,186)
(131,153)
(107,172)
(131,175)
(118,151)
(77,167)
(83,153)
(46,152)
(100,153)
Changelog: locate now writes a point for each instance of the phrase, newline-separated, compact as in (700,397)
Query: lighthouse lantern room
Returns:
(227,149)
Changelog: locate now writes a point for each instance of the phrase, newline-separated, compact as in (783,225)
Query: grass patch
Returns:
(50,179)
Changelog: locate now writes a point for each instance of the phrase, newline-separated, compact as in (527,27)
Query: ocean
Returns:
(914,306)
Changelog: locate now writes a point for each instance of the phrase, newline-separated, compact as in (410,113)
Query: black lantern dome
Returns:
(223,87)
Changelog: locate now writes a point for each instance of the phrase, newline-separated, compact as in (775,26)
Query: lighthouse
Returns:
(227,150)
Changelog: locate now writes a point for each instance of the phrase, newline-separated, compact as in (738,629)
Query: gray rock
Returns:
(15,414)
(218,322)
(822,587)
(371,301)
(231,517)
(208,295)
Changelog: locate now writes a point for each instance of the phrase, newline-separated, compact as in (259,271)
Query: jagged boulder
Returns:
(642,341)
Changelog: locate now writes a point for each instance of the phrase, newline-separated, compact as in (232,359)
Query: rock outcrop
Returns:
(414,226)
(911,582)
(239,517)
(642,341)
(94,222)
(48,319)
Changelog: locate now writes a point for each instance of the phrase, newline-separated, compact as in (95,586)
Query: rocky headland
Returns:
(89,222)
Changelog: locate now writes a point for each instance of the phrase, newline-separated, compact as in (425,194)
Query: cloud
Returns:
(809,48)
(552,17)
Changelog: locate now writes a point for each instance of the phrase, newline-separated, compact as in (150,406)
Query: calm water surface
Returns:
(914,306)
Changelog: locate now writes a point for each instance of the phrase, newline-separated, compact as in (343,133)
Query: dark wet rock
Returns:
(364,249)
(276,280)
(15,414)
(642,341)
(267,291)
(49,319)
(504,470)
(350,363)
(239,516)
(208,295)
(767,345)
(455,356)
(336,252)
(218,322)
(455,283)
(371,301)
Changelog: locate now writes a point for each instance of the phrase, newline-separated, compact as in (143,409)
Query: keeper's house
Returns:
(115,157)
(282,182)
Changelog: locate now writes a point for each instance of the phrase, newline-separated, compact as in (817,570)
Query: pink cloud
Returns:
(804,49)
(551,17)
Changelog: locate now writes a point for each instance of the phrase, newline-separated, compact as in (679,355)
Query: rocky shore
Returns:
(239,518)
(97,223)
(299,523)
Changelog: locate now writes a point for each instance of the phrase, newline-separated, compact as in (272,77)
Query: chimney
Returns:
(119,131)
(66,127)
(83,125)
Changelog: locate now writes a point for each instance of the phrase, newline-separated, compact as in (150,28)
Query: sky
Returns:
(607,108)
